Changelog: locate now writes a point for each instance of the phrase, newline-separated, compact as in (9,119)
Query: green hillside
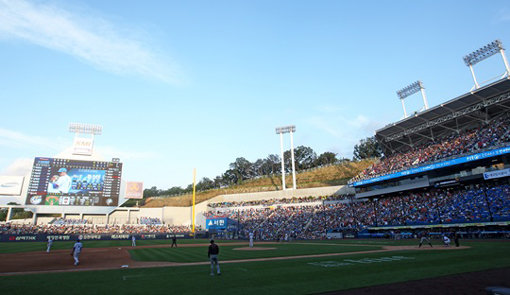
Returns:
(325,176)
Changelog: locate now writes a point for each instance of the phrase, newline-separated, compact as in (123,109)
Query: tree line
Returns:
(242,169)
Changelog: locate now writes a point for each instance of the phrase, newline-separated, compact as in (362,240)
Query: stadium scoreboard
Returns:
(65,182)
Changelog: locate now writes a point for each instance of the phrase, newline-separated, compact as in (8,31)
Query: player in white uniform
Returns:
(76,252)
(446,241)
(251,240)
(133,241)
(62,184)
(50,243)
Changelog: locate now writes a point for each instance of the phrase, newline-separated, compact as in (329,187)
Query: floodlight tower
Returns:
(84,145)
(410,90)
(485,52)
(281,130)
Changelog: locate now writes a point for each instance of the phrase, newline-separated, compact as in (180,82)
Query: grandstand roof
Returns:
(454,115)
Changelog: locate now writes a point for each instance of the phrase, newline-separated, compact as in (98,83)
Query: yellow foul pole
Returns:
(194,176)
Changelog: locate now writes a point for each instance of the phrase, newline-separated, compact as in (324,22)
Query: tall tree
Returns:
(258,168)
(367,148)
(326,158)
(151,192)
(242,167)
(205,184)
(274,162)
(230,177)
(304,157)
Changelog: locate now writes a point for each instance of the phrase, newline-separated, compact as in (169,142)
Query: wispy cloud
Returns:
(19,167)
(88,38)
(14,139)
(17,140)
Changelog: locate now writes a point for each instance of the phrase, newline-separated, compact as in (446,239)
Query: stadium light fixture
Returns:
(83,128)
(410,90)
(286,129)
(281,130)
(485,52)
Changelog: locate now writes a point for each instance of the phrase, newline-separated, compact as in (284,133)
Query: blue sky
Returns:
(179,85)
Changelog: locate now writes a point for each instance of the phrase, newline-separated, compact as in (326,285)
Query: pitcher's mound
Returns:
(254,248)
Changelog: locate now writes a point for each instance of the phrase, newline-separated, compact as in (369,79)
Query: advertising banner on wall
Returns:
(216,223)
(88,237)
(134,190)
(11,185)
(496,174)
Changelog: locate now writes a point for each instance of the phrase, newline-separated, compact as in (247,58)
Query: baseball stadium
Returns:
(433,212)
(423,206)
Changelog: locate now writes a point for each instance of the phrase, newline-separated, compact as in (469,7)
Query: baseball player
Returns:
(76,252)
(251,239)
(133,241)
(446,241)
(50,243)
(424,238)
(62,183)
(174,241)
(212,253)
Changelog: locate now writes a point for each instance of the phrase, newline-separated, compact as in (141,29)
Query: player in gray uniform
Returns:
(76,251)
(424,238)
(213,252)
(50,243)
(133,241)
(251,239)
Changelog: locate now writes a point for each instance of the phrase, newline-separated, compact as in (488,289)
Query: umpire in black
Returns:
(213,253)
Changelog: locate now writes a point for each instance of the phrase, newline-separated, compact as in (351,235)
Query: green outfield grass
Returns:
(294,276)
(197,254)
(17,247)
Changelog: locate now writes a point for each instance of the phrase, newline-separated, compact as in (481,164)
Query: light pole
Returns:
(281,130)
(485,52)
(410,90)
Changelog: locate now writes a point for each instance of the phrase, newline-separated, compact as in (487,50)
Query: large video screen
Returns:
(64,182)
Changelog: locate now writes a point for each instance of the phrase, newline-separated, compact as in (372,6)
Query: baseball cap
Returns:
(62,170)
(212,241)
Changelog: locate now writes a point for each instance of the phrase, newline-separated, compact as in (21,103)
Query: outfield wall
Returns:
(182,215)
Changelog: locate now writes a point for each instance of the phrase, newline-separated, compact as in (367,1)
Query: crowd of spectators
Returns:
(492,134)
(68,221)
(150,220)
(271,202)
(25,229)
(474,203)
(308,220)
